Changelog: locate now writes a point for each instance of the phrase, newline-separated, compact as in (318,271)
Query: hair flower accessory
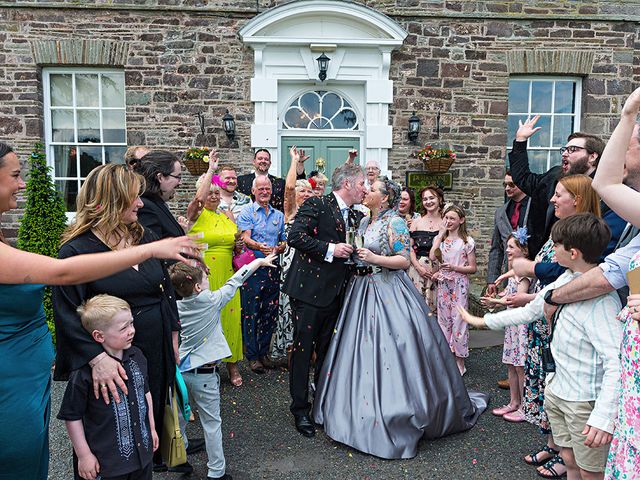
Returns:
(312,182)
(521,235)
(216,180)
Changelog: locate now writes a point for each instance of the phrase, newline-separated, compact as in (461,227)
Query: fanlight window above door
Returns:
(320,110)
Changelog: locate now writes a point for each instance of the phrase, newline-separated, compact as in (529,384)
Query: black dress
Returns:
(150,295)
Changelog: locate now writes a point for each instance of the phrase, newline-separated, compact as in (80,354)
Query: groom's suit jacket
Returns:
(311,279)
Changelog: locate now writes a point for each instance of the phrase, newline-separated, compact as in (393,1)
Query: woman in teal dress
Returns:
(26,348)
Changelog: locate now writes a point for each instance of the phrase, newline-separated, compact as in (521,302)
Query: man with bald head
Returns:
(263,232)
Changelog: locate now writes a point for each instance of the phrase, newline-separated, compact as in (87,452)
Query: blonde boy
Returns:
(114,441)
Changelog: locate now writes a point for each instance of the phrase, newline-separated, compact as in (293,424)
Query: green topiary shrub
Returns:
(44,219)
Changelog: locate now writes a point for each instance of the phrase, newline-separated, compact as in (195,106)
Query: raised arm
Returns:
(609,175)
(205,186)
(298,158)
(25,267)
(522,175)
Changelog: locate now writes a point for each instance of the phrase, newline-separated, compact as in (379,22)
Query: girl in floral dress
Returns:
(624,455)
(458,253)
(515,337)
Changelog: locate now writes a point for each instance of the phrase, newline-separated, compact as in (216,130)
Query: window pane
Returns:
(518,96)
(345,119)
(310,103)
(538,160)
(113,126)
(295,118)
(68,191)
(61,90)
(541,97)
(542,138)
(555,157)
(562,128)
(565,95)
(331,103)
(88,126)
(64,161)
(114,154)
(112,90)
(87,90)
(62,126)
(512,127)
(90,158)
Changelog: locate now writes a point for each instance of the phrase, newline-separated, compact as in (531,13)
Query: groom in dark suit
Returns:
(317,278)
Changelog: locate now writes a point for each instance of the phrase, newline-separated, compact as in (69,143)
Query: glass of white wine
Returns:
(350,238)
(358,243)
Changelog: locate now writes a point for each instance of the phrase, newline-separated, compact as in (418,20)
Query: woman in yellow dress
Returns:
(219,233)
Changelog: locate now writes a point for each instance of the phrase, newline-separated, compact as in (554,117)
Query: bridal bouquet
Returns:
(436,160)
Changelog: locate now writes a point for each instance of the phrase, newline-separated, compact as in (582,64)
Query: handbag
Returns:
(172,443)
(245,257)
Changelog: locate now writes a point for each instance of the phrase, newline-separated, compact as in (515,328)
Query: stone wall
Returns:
(184,56)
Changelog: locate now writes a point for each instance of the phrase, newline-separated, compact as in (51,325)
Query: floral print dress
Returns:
(514,351)
(453,290)
(534,375)
(624,455)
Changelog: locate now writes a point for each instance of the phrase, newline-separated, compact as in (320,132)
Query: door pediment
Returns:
(323,21)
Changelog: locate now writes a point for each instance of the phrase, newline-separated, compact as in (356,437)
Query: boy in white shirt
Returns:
(203,346)
(581,394)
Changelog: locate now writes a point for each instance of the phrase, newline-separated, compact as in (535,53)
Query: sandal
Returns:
(551,465)
(256,366)
(535,461)
(500,411)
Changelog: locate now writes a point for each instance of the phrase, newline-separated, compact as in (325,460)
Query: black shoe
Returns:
(160,467)
(185,467)
(226,476)
(195,445)
(304,425)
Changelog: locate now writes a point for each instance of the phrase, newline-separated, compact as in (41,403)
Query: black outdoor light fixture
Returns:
(323,65)
(229,125)
(414,128)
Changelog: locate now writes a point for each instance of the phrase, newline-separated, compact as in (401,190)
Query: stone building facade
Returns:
(181,57)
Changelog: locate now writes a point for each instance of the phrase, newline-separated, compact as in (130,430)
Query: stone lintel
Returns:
(565,62)
(80,52)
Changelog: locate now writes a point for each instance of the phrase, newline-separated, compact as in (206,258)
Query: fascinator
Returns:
(520,234)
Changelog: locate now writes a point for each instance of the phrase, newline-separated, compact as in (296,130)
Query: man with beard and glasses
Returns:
(580,155)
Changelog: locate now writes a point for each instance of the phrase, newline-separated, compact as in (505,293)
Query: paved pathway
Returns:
(261,442)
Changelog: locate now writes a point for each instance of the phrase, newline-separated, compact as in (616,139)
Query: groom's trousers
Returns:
(312,330)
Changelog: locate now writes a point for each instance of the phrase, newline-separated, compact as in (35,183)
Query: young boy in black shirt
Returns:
(114,441)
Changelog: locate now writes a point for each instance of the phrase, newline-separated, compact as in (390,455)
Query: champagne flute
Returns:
(359,243)
(350,238)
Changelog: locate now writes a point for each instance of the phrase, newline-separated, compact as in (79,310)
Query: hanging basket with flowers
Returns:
(196,159)
(436,160)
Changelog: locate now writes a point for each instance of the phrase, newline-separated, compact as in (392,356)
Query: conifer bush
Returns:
(44,219)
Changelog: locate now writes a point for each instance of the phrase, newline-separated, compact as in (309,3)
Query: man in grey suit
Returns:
(514,213)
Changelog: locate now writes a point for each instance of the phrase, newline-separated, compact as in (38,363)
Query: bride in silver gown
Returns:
(389,377)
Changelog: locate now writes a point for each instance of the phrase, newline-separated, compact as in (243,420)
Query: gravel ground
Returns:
(261,442)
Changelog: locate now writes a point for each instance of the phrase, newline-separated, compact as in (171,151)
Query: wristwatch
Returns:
(547,298)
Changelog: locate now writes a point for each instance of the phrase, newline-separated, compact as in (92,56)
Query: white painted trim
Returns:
(249,34)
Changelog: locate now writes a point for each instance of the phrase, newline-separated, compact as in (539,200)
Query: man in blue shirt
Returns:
(263,232)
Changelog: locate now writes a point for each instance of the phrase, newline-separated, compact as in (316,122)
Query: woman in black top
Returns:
(423,230)
(107,219)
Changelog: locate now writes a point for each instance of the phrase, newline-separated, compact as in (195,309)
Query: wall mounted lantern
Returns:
(323,66)
(414,128)
(229,125)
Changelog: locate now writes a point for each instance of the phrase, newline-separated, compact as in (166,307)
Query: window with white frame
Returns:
(84,124)
(557,101)
(320,110)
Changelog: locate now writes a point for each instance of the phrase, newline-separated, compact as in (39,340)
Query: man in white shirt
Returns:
(230,198)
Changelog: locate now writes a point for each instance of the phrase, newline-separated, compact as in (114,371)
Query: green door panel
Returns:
(332,150)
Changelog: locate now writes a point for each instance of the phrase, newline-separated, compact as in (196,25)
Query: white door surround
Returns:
(286,41)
